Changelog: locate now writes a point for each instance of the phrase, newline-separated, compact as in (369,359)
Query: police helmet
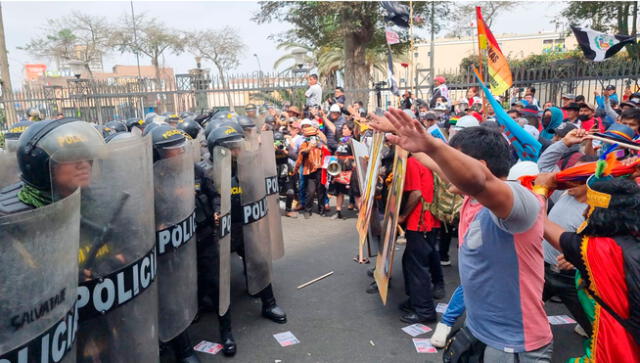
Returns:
(118,126)
(13,134)
(269,119)
(34,113)
(118,136)
(246,122)
(185,114)
(149,117)
(172,119)
(227,135)
(133,122)
(218,119)
(150,126)
(66,140)
(190,127)
(278,136)
(166,139)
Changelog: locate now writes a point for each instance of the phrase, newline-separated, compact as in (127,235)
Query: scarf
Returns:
(34,197)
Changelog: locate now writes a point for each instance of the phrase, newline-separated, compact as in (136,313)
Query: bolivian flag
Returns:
(499,73)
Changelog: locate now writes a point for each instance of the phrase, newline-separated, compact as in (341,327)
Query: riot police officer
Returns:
(175,229)
(39,242)
(213,203)
(13,134)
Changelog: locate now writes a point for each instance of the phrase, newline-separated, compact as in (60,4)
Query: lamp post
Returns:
(299,58)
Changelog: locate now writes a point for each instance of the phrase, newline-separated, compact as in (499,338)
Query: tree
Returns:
(79,38)
(151,38)
(352,27)
(221,47)
(606,16)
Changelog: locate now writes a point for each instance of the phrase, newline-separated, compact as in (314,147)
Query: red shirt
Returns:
(588,125)
(419,177)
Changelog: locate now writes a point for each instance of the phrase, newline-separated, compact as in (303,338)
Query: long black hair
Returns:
(623,215)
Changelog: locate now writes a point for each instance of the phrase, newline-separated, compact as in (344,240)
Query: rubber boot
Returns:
(226,338)
(183,349)
(270,309)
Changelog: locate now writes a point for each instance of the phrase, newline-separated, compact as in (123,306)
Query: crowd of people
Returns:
(569,233)
(521,241)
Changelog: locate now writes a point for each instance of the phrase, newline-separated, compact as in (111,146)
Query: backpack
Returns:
(631,256)
(463,347)
(445,205)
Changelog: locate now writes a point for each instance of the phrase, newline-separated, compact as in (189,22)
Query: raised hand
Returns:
(380,123)
(409,134)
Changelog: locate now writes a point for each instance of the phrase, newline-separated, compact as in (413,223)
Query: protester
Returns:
(314,92)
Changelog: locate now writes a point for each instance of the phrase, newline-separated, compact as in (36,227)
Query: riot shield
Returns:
(117,293)
(222,181)
(255,229)
(39,272)
(273,199)
(9,171)
(175,238)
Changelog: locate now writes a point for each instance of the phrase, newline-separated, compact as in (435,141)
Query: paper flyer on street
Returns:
(441,308)
(416,329)
(423,345)
(208,347)
(286,339)
(560,320)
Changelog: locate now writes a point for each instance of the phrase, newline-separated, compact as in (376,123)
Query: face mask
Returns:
(546,120)
(583,117)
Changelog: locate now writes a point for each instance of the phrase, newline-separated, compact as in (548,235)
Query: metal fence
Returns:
(125,98)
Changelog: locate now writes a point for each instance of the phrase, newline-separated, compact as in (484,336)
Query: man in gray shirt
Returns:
(314,92)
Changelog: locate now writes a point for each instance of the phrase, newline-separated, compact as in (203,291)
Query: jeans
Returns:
(446,233)
(455,309)
(301,187)
(540,355)
(417,259)
(562,284)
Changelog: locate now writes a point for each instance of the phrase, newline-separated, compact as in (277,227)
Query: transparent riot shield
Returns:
(39,269)
(9,171)
(222,181)
(255,229)
(175,239)
(273,199)
(117,293)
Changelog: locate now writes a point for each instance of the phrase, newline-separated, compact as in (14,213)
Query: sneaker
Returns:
(406,306)
(445,263)
(370,271)
(580,331)
(439,337)
(338,215)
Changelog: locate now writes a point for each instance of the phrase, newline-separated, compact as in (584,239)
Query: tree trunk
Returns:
(356,71)
(158,82)
(227,91)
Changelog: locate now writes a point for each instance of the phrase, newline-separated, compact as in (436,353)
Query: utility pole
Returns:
(7,90)
(432,46)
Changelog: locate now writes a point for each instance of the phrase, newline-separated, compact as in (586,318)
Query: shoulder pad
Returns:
(9,202)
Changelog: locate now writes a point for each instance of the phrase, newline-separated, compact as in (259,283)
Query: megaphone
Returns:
(334,168)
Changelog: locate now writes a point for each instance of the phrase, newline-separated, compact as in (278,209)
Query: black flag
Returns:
(599,46)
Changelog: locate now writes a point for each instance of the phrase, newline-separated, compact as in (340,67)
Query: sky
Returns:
(24,20)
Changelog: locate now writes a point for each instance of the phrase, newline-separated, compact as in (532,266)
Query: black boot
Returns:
(183,349)
(270,309)
(226,338)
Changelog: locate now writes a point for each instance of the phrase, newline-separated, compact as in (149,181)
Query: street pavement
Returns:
(334,319)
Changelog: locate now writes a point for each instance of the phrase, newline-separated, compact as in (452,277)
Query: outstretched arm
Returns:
(469,175)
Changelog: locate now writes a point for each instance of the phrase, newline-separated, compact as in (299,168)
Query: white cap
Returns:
(335,108)
(440,107)
(306,122)
(522,168)
(466,121)
(532,131)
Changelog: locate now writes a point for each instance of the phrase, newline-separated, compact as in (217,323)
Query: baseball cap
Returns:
(522,168)
(563,129)
(306,122)
(532,131)
(335,108)
(569,96)
(466,121)
(572,106)
(610,87)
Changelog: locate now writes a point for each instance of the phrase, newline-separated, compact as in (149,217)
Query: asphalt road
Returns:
(335,320)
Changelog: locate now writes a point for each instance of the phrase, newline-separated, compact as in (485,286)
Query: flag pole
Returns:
(480,64)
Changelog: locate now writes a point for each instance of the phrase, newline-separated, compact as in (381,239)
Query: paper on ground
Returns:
(286,339)
(560,320)
(208,347)
(423,345)
(416,329)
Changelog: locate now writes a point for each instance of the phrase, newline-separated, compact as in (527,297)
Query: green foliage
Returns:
(294,96)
